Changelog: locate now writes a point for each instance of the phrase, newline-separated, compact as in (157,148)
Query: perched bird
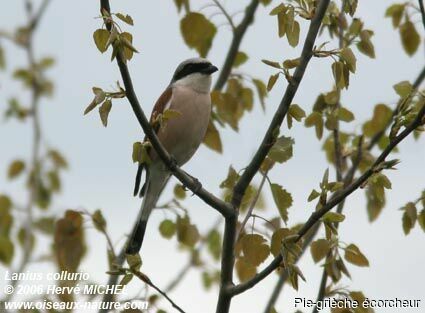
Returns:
(189,94)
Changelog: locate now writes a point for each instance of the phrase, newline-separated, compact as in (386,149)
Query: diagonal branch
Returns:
(146,280)
(187,180)
(286,101)
(416,84)
(238,34)
(339,197)
(422,8)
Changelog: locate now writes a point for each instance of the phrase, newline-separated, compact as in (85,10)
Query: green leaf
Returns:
(410,216)
(241,58)
(15,168)
(179,191)
(315,119)
(349,58)
(279,9)
(126,279)
(272,81)
(198,32)
(104,110)
(291,63)
(395,11)
(283,200)
(182,3)
(272,64)
(134,261)
(187,233)
(319,249)
(128,49)
(167,228)
(282,149)
(313,195)
(245,270)
(333,217)
(214,244)
(355,256)
(403,89)
(255,249)
(365,46)
(421,219)
(170,114)
(261,90)
(125,18)
(99,221)
(382,114)
(345,115)
(2,59)
(338,73)
(212,138)
(409,37)
(296,112)
(101,37)
(293,34)
(232,178)
(6,250)
(46,225)
(281,23)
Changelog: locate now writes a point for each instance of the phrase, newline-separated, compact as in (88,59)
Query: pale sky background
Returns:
(101,172)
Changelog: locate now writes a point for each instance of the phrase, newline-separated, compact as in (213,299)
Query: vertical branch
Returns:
(268,140)
(33,21)
(226,284)
(338,161)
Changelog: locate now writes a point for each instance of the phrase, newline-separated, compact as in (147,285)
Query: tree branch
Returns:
(252,206)
(286,101)
(36,139)
(421,6)
(226,15)
(375,139)
(187,180)
(339,196)
(146,280)
(238,34)
(228,258)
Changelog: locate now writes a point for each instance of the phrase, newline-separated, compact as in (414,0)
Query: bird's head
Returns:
(194,73)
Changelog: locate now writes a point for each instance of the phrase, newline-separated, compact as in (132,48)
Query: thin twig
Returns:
(226,15)
(146,279)
(238,35)
(377,137)
(35,154)
(252,206)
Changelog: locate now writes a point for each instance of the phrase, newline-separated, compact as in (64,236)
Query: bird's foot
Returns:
(198,185)
(173,163)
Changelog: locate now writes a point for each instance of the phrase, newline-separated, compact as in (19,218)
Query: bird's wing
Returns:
(160,105)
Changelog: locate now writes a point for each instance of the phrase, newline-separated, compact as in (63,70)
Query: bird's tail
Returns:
(155,182)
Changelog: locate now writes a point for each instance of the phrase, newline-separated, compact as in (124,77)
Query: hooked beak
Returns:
(210,69)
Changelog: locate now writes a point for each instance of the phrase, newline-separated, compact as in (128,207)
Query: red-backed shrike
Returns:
(188,94)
